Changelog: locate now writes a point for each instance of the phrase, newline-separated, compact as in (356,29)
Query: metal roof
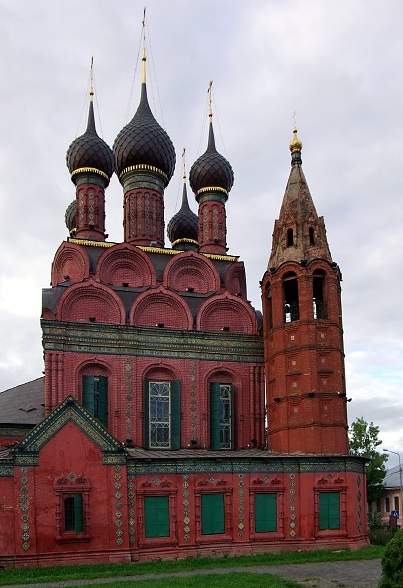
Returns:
(24,404)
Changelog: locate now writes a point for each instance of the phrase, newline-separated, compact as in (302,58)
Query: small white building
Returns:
(392,501)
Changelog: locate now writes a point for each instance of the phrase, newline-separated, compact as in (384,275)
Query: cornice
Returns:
(271,464)
(151,341)
(160,250)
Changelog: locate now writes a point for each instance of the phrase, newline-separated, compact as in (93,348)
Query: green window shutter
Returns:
(88,393)
(78,512)
(175,415)
(103,400)
(156,515)
(214,415)
(212,514)
(334,510)
(265,512)
(146,414)
(329,510)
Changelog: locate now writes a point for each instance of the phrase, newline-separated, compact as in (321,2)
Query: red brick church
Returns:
(173,419)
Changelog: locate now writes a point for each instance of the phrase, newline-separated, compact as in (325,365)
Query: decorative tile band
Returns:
(24,508)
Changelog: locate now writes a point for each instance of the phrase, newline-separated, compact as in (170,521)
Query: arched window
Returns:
(221,416)
(95,397)
(311,236)
(291,300)
(290,237)
(162,414)
(319,303)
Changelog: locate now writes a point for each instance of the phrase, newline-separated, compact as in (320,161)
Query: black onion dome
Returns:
(144,142)
(90,151)
(70,217)
(184,224)
(211,170)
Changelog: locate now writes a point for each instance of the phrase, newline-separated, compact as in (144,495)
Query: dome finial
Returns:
(296,144)
(210,108)
(92,79)
(184,165)
(89,152)
(143,57)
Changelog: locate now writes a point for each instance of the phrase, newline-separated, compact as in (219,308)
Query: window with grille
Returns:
(221,416)
(73,513)
(162,415)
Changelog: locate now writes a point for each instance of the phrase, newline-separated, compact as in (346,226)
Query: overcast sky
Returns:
(337,64)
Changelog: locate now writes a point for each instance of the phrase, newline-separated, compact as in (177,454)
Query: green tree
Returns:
(392,563)
(364,440)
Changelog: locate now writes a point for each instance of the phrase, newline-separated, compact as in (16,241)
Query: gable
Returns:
(69,411)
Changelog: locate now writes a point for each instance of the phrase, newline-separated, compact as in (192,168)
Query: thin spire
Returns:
(185,203)
(144,58)
(211,140)
(91,118)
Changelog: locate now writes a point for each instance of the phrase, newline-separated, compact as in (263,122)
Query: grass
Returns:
(230,580)
(89,572)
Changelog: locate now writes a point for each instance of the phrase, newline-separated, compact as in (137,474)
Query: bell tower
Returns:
(303,335)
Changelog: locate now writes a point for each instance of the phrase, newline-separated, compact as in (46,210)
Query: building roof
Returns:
(24,404)
(392,478)
(89,152)
(298,216)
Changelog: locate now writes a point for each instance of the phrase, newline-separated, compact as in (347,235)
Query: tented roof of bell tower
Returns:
(299,233)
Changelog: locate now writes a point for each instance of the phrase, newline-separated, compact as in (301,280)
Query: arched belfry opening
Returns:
(269,307)
(291,298)
(318,295)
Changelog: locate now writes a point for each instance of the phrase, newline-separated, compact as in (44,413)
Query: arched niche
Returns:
(192,272)
(160,308)
(126,265)
(227,313)
(91,303)
(71,264)
(235,280)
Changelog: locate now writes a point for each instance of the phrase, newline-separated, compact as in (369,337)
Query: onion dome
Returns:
(184,224)
(70,218)
(295,148)
(143,144)
(211,171)
(90,153)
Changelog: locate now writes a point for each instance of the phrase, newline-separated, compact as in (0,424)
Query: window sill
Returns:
(267,536)
(214,538)
(157,541)
(73,538)
(330,533)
